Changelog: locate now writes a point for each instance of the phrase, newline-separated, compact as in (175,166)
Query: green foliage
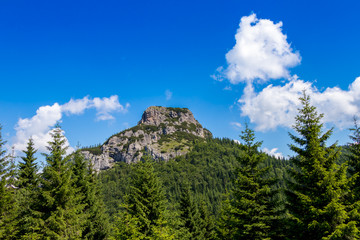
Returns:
(353,155)
(144,210)
(29,217)
(251,209)
(96,225)
(96,150)
(178,110)
(60,201)
(318,186)
(7,200)
(209,169)
(189,215)
(28,176)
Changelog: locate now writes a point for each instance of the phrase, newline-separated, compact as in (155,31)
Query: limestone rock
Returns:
(162,132)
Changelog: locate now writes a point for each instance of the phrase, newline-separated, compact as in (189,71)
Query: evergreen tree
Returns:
(97,223)
(354,159)
(318,186)
(29,222)
(7,200)
(207,221)
(252,208)
(354,171)
(144,212)
(62,211)
(189,215)
(226,221)
(28,176)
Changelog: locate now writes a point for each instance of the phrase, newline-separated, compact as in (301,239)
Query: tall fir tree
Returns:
(97,223)
(354,159)
(7,194)
(144,212)
(207,222)
(252,208)
(29,222)
(189,215)
(61,206)
(354,172)
(317,191)
(28,170)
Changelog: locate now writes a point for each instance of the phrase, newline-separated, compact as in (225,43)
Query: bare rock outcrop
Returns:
(162,132)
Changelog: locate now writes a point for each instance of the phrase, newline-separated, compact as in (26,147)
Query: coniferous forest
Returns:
(219,190)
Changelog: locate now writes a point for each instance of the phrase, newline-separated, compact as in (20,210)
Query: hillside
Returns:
(208,168)
(163,132)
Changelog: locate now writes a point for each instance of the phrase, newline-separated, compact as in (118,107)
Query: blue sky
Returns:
(137,51)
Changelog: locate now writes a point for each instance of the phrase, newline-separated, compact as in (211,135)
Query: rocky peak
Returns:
(156,115)
(162,132)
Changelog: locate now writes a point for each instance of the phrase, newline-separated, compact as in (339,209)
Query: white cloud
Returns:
(76,106)
(261,52)
(278,105)
(39,126)
(273,152)
(168,95)
(236,125)
(104,106)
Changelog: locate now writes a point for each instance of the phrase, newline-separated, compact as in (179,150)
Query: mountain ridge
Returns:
(163,132)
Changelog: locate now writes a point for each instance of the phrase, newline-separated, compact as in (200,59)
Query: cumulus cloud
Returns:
(261,52)
(278,105)
(236,125)
(273,152)
(168,95)
(104,106)
(76,106)
(39,126)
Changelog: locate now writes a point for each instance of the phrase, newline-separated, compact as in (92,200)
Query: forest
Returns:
(219,190)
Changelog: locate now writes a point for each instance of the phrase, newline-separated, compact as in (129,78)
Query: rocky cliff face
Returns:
(163,132)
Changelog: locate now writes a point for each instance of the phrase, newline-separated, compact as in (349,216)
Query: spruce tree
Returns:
(354,160)
(96,225)
(29,222)
(255,208)
(28,170)
(225,225)
(62,211)
(189,215)
(144,213)
(354,172)
(7,200)
(252,207)
(207,221)
(317,190)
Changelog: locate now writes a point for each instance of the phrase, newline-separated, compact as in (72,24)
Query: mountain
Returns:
(163,132)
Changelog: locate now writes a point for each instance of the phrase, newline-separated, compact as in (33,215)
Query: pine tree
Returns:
(354,160)
(7,200)
(144,212)
(189,215)
(252,206)
(28,170)
(207,221)
(225,225)
(354,171)
(255,209)
(97,222)
(317,191)
(62,211)
(29,222)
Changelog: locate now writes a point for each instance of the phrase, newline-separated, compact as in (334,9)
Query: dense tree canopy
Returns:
(219,190)
(318,188)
